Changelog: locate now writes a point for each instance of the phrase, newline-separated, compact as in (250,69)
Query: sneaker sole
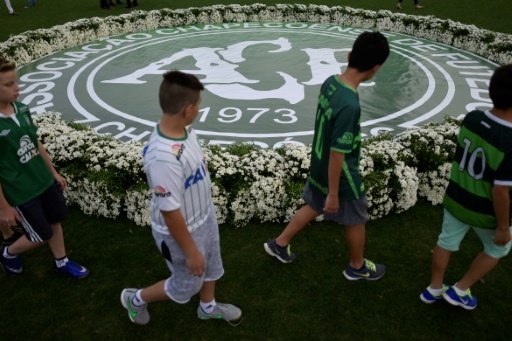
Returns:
(270,252)
(427,301)
(455,303)
(10,271)
(350,278)
(67,274)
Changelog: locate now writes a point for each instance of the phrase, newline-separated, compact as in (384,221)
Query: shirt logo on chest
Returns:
(27,149)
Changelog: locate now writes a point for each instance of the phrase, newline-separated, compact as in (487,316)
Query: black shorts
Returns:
(38,214)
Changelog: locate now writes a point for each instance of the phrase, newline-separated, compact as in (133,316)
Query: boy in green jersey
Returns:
(478,195)
(334,187)
(30,187)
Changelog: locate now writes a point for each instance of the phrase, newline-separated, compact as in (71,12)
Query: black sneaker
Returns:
(284,254)
(370,271)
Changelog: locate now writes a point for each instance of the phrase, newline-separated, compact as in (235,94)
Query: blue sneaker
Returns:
(370,271)
(10,265)
(73,269)
(467,301)
(427,297)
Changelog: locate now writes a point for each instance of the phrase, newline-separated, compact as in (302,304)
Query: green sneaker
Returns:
(138,315)
(222,311)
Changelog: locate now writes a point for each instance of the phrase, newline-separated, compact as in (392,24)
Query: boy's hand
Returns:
(61,181)
(195,264)
(502,236)
(8,216)
(332,204)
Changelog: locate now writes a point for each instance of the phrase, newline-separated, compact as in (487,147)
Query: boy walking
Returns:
(183,217)
(334,186)
(478,195)
(30,187)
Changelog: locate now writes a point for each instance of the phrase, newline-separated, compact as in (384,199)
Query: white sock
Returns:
(6,253)
(458,291)
(137,299)
(61,262)
(208,307)
(435,292)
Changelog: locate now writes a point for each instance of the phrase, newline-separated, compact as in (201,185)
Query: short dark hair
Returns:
(500,87)
(370,49)
(7,65)
(178,89)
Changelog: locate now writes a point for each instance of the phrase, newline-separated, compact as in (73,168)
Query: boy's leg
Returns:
(355,236)
(56,242)
(154,293)
(452,233)
(485,261)
(210,309)
(440,261)
(280,247)
(207,293)
(481,266)
(359,267)
(301,218)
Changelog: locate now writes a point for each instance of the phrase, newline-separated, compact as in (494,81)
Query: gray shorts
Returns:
(351,212)
(182,285)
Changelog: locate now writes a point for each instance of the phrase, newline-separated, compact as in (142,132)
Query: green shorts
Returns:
(454,230)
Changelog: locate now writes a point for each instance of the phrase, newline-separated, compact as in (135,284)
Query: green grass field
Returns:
(306,300)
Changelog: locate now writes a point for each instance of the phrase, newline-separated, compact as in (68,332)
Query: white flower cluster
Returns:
(106,177)
(31,45)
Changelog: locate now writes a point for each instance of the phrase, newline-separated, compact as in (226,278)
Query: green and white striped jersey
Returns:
(483,159)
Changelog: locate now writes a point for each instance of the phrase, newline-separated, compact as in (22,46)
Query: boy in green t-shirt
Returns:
(478,195)
(30,187)
(334,187)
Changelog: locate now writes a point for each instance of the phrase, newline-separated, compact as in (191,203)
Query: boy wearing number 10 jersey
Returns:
(478,195)
(334,187)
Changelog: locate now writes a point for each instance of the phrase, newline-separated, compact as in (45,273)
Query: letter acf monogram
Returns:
(219,65)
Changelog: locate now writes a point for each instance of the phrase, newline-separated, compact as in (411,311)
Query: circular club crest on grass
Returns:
(261,80)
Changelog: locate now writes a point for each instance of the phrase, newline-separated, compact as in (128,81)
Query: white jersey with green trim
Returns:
(178,178)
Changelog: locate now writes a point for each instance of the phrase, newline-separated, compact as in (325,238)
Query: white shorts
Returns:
(182,285)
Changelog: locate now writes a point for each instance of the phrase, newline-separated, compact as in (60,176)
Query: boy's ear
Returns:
(188,110)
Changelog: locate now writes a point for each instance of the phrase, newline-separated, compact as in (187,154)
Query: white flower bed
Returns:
(106,175)
(31,45)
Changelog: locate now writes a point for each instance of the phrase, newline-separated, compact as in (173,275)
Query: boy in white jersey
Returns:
(183,217)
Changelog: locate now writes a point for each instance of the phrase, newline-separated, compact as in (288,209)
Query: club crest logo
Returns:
(261,81)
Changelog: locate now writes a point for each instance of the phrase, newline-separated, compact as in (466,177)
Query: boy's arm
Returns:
(8,215)
(501,203)
(60,179)
(334,173)
(179,231)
